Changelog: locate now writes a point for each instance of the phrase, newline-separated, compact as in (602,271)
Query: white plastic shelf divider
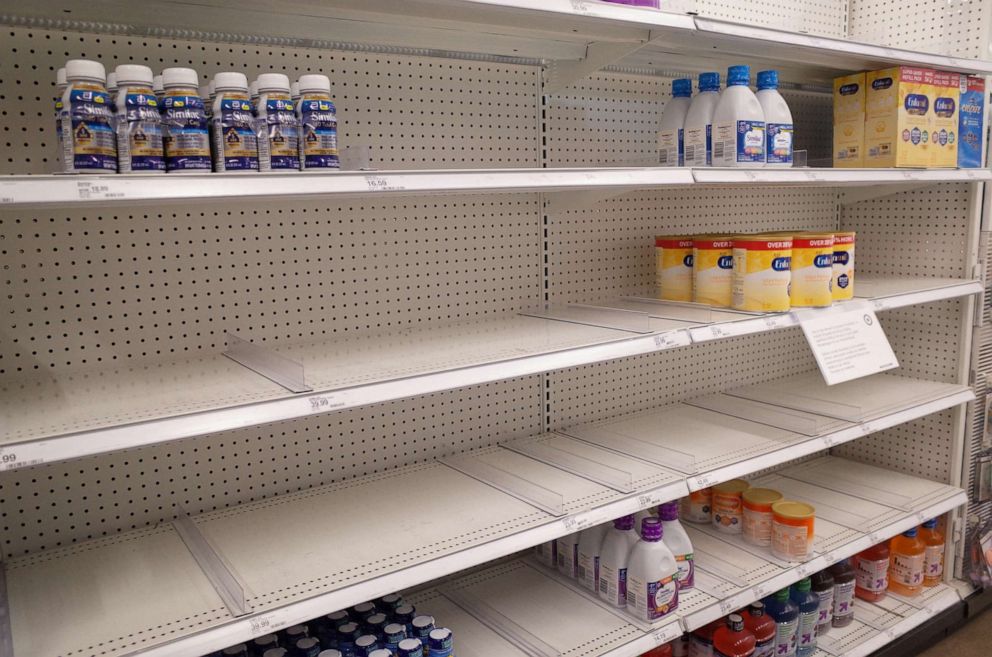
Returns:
(62,190)
(46,417)
(414,527)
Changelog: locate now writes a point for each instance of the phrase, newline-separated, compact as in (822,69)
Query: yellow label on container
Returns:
(761,273)
(898,117)
(812,270)
(843,266)
(944,119)
(713,270)
(849,121)
(674,268)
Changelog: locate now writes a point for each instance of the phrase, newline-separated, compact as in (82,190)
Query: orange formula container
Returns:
(792,530)
(728,506)
(758,515)
(697,506)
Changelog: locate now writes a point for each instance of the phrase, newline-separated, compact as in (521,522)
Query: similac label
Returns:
(872,575)
(568,559)
(185,132)
(613,584)
(764,648)
(589,571)
(740,142)
(652,600)
(823,612)
(685,577)
(697,146)
(758,527)
(806,632)
(778,143)
(786,638)
(843,267)
(762,274)
(933,562)
(907,569)
(671,151)
(843,600)
(673,257)
(319,126)
(139,132)
(235,141)
(696,507)
(812,269)
(282,130)
(713,272)
(88,136)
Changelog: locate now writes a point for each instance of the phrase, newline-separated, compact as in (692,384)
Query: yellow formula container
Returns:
(713,270)
(899,117)
(944,135)
(812,270)
(849,121)
(673,258)
(761,272)
(843,267)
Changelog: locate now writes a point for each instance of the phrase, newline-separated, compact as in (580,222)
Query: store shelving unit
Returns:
(233,403)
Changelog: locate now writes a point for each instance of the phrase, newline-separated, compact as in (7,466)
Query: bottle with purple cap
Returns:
(613,561)
(652,591)
(677,540)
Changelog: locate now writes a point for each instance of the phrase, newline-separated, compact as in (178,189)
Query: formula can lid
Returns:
(85,69)
(315,83)
(180,77)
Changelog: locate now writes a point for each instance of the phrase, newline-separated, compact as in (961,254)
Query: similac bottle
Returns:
(823,587)
(809,613)
(652,588)
(678,541)
(844,584)
(318,124)
(762,626)
(568,555)
(88,141)
(733,640)
(261,139)
(778,121)
(933,558)
(185,135)
(871,568)
(701,642)
(139,123)
(908,553)
(590,543)
(613,561)
(698,127)
(670,135)
(279,127)
(60,86)
(785,613)
(235,143)
(738,123)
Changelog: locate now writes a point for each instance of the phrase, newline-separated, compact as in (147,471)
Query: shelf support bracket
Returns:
(223,579)
(600,54)
(278,369)
(6,637)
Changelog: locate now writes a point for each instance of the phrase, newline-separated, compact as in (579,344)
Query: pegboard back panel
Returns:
(823,17)
(64,503)
(949,27)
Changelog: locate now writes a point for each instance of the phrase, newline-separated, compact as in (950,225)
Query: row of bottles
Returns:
(904,565)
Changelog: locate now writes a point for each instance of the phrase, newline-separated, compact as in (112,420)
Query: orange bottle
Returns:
(933,561)
(906,563)
(871,569)
(732,640)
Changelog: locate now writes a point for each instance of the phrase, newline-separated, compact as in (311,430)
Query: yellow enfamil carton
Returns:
(898,117)
(849,121)
(944,135)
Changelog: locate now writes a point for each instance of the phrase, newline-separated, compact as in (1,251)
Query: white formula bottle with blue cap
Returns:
(670,139)
(738,123)
(698,128)
(778,121)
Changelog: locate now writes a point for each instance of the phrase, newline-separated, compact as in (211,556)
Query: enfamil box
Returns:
(971,120)
(944,119)
(849,121)
(898,121)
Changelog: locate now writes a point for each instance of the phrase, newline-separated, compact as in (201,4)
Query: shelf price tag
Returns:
(580,6)
(382,184)
(671,339)
(94,191)
(704,481)
(11,459)
(576,523)
(849,343)
(266,623)
(727,606)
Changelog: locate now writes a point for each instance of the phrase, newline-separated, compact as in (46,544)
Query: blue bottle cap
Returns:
(910,533)
(738,75)
(682,87)
(709,81)
(767,80)
(931,523)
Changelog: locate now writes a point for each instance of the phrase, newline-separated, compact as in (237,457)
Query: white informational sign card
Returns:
(847,341)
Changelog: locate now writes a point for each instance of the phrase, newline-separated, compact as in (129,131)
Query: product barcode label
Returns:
(663,156)
(325,403)
(631,598)
(690,152)
(579,6)
(726,606)
(719,149)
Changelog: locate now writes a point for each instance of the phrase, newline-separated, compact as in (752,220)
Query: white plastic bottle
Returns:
(139,123)
(279,128)
(670,137)
(235,143)
(89,144)
(318,124)
(60,85)
(294,92)
(698,128)
(185,135)
(568,555)
(778,121)
(738,123)
(677,540)
(652,589)
(590,544)
(613,561)
(641,515)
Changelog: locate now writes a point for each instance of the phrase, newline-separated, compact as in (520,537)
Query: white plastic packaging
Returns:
(778,121)
(185,127)
(279,127)
(738,124)
(670,136)
(613,561)
(568,555)
(318,124)
(88,141)
(698,127)
(677,540)
(139,122)
(233,125)
(590,543)
(652,589)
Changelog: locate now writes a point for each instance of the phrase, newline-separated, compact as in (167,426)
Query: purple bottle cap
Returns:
(651,529)
(669,511)
(624,523)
